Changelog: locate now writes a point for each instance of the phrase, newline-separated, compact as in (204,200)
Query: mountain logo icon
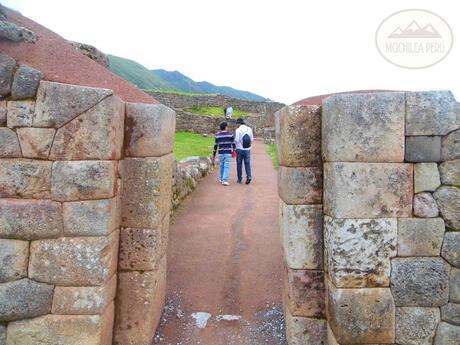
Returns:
(415,30)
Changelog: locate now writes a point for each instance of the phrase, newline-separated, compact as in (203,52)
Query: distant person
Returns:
(228,112)
(225,145)
(243,140)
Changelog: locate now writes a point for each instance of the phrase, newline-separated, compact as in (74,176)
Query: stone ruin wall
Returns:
(384,203)
(85,198)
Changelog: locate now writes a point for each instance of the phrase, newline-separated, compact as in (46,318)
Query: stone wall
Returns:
(390,228)
(75,185)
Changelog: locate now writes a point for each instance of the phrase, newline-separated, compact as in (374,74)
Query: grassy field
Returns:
(271,149)
(214,111)
(190,144)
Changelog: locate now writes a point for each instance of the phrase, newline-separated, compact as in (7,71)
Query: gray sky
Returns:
(285,50)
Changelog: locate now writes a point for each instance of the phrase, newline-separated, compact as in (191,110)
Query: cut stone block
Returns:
(300,186)
(63,329)
(450,173)
(59,103)
(447,334)
(361,316)
(426,177)
(367,190)
(25,178)
(77,261)
(146,191)
(7,65)
(431,113)
(140,301)
(420,282)
(2,118)
(30,219)
(36,142)
(24,298)
(9,144)
(80,180)
(366,127)
(450,146)
(165,233)
(25,83)
(87,300)
(298,135)
(14,258)
(454,285)
(420,237)
(95,134)
(448,200)
(451,248)
(423,149)
(149,130)
(416,326)
(425,206)
(2,334)
(302,330)
(359,251)
(20,113)
(92,217)
(304,291)
(451,313)
(140,249)
(302,232)
(331,337)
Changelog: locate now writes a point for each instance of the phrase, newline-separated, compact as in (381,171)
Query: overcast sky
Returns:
(285,50)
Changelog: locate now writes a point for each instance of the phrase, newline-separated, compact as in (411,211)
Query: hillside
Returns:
(161,80)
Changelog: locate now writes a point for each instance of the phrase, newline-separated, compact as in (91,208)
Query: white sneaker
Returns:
(220,180)
(225,183)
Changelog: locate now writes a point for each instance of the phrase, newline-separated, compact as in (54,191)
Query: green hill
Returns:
(161,80)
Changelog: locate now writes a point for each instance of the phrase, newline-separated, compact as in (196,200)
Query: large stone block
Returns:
(14,258)
(2,334)
(165,233)
(420,282)
(425,205)
(146,191)
(80,180)
(149,130)
(95,134)
(20,113)
(426,177)
(23,299)
(305,292)
(431,113)
(450,146)
(416,326)
(367,190)
(36,142)
(139,305)
(63,329)
(7,65)
(367,127)
(25,178)
(302,233)
(59,103)
(140,249)
(92,217)
(420,236)
(447,334)
(30,219)
(87,300)
(25,82)
(423,149)
(451,248)
(2,116)
(448,201)
(331,340)
(359,251)
(77,261)
(450,173)
(300,186)
(298,135)
(454,285)
(9,144)
(451,313)
(302,330)
(361,316)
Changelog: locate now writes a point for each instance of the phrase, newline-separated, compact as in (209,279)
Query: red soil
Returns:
(61,62)
(318,100)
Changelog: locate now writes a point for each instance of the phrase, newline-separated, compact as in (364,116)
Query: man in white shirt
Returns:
(243,140)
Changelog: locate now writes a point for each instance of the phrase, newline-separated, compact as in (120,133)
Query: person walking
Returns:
(225,146)
(243,140)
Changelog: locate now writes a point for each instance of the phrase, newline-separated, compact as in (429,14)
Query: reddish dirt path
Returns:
(224,257)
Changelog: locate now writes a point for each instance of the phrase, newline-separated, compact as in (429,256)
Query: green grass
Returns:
(183,92)
(191,144)
(214,111)
(271,149)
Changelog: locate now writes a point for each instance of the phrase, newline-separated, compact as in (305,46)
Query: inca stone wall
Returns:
(391,218)
(74,184)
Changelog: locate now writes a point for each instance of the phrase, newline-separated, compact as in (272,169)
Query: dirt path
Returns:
(225,263)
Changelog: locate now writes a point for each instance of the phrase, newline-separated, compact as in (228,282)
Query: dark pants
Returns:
(243,155)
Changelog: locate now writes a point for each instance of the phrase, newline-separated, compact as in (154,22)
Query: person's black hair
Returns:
(223,125)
